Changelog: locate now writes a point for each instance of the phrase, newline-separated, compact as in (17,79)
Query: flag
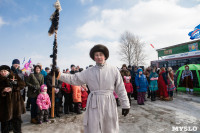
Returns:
(152,46)
(195,34)
(23,61)
(29,61)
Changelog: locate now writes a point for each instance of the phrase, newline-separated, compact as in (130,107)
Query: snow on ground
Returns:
(153,117)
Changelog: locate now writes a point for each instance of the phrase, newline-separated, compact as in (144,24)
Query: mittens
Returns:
(125,112)
(57,90)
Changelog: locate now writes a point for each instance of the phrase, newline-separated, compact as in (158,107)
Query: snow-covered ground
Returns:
(153,117)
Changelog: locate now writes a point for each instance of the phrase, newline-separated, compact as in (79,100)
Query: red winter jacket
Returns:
(129,87)
(66,88)
(127,84)
(84,95)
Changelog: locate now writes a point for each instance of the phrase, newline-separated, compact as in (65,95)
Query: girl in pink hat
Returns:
(44,103)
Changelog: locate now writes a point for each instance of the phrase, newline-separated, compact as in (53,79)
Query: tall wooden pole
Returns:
(53,76)
(53,29)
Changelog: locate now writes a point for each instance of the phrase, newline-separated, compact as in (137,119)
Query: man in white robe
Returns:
(101,114)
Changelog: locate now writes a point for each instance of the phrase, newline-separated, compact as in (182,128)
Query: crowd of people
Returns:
(153,81)
(157,83)
(71,99)
(36,90)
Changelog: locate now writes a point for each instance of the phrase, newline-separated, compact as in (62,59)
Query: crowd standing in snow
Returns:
(71,96)
(156,83)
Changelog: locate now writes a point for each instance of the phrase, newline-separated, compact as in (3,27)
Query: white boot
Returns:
(191,91)
(187,90)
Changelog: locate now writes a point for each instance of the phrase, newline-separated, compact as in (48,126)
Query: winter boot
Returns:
(166,99)
(187,90)
(57,107)
(71,108)
(66,109)
(191,91)
(40,122)
(34,121)
(149,93)
(171,99)
(152,98)
(57,112)
(77,108)
(17,125)
(161,97)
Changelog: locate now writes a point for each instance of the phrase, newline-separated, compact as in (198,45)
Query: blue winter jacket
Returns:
(141,82)
(44,73)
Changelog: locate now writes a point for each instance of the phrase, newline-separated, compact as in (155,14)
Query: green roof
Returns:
(191,66)
(179,48)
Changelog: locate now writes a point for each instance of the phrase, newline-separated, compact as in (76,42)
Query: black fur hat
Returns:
(5,67)
(99,48)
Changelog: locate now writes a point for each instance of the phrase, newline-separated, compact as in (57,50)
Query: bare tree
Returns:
(131,49)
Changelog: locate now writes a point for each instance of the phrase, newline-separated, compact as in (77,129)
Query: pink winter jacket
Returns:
(43,101)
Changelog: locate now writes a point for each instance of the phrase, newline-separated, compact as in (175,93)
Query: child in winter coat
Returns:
(44,103)
(77,98)
(128,86)
(141,84)
(68,105)
(84,96)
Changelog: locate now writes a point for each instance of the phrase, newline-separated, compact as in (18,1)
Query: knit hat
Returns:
(5,67)
(99,48)
(124,65)
(139,70)
(127,79)
(43,87)
(72,65)
(15,61)
(47,68)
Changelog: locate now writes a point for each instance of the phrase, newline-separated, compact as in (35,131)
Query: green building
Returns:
(178,55)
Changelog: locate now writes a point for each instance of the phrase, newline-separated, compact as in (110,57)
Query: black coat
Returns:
(58,84)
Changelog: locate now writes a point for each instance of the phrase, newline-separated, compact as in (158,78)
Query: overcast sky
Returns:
(83,23)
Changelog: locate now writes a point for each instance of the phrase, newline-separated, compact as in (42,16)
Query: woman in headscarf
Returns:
(187,78)
(162,84)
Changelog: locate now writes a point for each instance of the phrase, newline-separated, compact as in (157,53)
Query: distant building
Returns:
(178,55)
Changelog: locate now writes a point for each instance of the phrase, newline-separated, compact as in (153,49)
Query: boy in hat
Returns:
(47,69)
(101,114)
(15,66)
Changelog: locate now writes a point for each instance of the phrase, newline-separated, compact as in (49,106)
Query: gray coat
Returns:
(101,114)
